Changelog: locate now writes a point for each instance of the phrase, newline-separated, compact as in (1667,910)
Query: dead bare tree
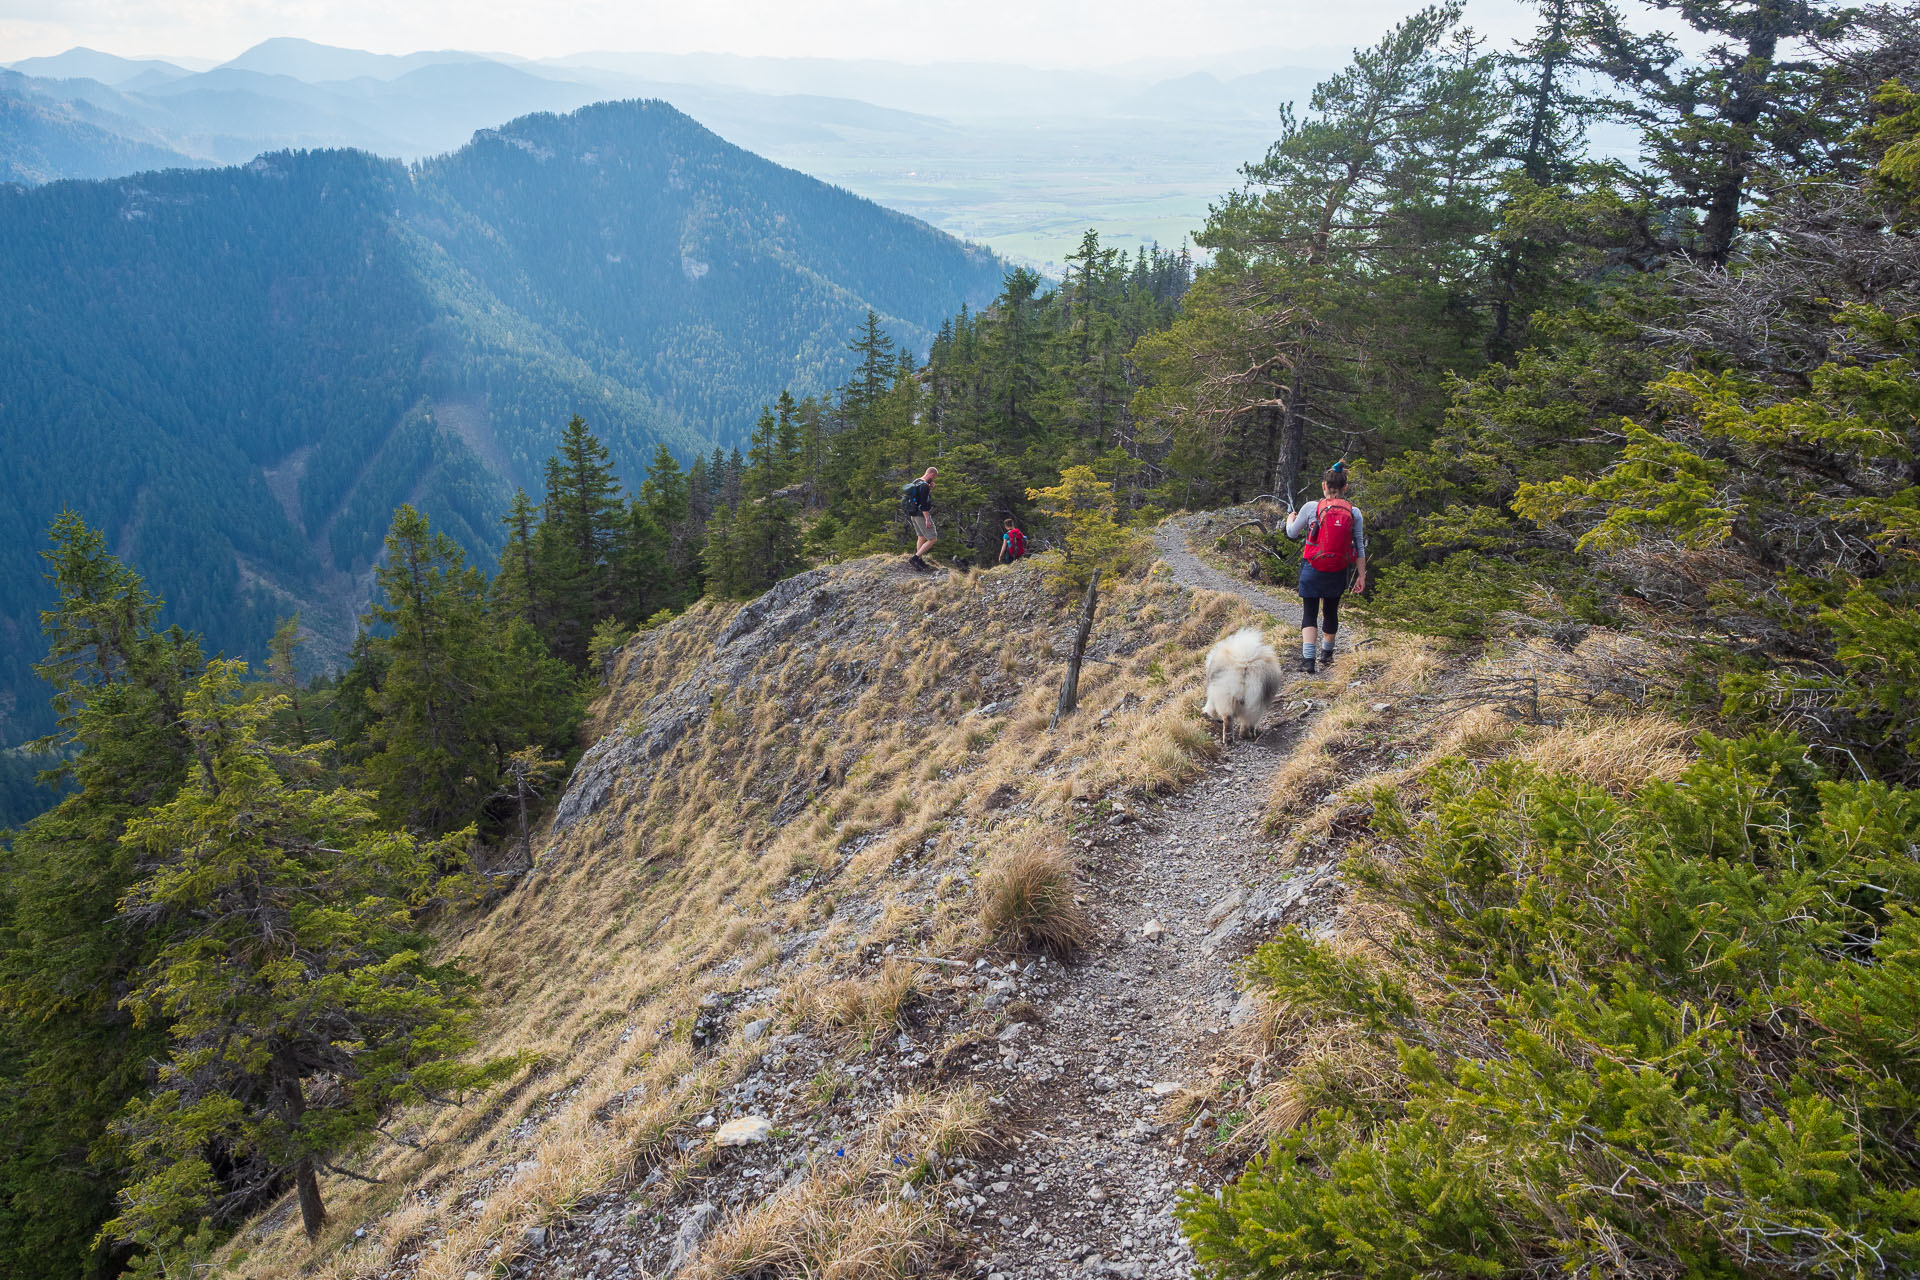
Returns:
(1070,688)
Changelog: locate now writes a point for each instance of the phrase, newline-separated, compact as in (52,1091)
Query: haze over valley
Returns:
(1013,157)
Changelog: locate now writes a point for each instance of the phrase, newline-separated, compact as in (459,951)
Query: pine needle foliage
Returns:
(293,979)
(1664,1034)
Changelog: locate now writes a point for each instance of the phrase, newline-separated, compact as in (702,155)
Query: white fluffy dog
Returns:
(1243,675)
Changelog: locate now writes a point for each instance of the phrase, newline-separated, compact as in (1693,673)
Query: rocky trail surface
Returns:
(1183,889)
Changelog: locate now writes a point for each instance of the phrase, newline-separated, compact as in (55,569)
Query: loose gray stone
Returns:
(693,1228)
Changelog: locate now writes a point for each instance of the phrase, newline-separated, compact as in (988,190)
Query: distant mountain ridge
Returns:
(1022,158)
(319,63)
(43,139)
(256,364)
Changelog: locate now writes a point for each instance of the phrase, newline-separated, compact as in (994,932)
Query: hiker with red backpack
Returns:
(1013,543)
(1335,550)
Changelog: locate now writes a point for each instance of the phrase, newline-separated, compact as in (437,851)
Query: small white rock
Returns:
(1152,929)
(744,1130)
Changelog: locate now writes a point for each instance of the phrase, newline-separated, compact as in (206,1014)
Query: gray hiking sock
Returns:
(1306,651)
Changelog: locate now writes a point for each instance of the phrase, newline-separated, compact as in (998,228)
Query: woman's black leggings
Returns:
(1310,606)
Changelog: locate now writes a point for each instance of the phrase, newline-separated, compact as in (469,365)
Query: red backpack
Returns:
(1329,546)
(1016,543)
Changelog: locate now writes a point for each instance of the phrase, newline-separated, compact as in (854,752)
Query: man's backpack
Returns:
(915,497)
(1329,546)
(1016,543)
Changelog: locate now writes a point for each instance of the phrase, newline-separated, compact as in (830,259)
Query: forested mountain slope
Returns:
(43,139)
(258,364)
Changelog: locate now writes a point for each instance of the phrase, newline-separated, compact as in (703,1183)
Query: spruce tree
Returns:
(766,540)
(720,557)
(875,348)
(299,1002)
(513,590)
(432,760)
(665,509)
(788,437)
(283,670)
(584,513)
(1714,123)
(69,1054)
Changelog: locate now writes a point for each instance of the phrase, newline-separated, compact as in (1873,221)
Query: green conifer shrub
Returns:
(1669,1034)
(293,978)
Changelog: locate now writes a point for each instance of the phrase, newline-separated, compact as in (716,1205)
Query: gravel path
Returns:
(1183,889)
(1170,539)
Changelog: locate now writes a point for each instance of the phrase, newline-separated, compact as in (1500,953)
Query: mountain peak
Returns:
(82,63)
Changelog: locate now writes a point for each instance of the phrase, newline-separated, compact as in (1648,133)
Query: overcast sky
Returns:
(1037,32)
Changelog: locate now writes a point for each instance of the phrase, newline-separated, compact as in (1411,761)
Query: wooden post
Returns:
(1070,689)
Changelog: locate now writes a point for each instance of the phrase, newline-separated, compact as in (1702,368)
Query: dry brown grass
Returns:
(862,1007)
(593,968)
(1027,897)
(1618,752)
(861,1218)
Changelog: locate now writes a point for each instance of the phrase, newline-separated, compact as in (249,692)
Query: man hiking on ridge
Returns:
(1336,547)
(917,501)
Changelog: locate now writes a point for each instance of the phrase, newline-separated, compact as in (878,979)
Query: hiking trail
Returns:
(1181,889)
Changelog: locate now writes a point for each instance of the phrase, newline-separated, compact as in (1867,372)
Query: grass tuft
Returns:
(1027,898)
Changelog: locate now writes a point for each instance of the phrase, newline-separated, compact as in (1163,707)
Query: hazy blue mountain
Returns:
(80,63)
(45,142)
(256,364)
(1022,158)
(317,63)
(947,89)
(43,139)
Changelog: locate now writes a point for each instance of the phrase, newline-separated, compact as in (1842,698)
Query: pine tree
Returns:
(1714,123)
(766,541)
(289,960)
(432,759)
(1543,139)
(69,1056)
(584,513)
(1350,270)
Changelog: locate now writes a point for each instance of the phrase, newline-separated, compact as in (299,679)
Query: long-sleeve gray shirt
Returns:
(1303,521)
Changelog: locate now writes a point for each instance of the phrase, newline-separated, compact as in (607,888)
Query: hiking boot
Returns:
(918,563)
(1326,659)
(1306,666)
